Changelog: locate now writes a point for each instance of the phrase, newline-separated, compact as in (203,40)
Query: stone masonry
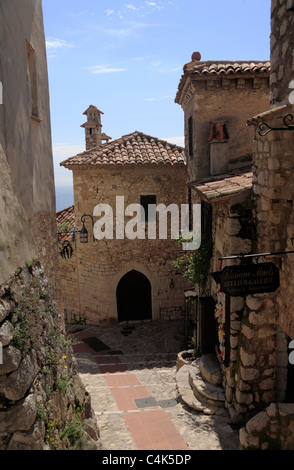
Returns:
(131,167)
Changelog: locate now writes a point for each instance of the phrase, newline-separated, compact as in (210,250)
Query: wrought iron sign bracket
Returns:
(265,128)
(256,255)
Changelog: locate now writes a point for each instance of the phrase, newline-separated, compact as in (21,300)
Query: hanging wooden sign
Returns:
(248,279)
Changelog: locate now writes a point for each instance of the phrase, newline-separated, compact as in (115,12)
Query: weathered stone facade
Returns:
(25,129)
(282,41)
(271,429)
(90,278)
(41,395)
(221,92)
(257,375)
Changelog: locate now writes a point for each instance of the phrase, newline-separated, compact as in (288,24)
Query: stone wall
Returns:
(274,195)
(42,398)
(282,45)
(272,429)
(256,380)
(250,380)
(25,129)
(91,276)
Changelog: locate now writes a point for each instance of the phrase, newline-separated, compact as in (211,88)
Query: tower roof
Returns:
(93,107)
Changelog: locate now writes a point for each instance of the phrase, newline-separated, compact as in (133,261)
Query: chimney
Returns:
(93,126)
(218,141)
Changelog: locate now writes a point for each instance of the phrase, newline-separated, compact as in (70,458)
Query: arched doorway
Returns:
(133,295)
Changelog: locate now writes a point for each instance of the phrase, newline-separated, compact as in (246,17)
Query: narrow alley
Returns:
(130,373)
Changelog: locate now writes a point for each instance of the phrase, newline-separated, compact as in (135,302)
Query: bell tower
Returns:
(93,127)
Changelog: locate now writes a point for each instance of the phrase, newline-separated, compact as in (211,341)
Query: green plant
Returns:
(195,265)
(73,434)
(63,382)
(42,412)
(52,433)
(29,265)
(63,227)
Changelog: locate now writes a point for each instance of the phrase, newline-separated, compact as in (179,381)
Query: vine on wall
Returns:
(195,265)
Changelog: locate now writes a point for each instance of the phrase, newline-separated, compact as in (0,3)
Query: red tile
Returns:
(152,430)
(121,380)
(125,396)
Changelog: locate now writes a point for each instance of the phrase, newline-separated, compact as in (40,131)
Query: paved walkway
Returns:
(130,375)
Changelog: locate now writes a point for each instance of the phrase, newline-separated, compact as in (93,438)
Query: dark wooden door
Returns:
(207,325)
(134,297)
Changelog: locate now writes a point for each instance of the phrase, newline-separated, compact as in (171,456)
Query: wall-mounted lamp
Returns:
(84,237)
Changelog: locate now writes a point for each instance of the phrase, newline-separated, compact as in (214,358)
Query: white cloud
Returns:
(97,69)
(54,43)
(109,12)
(132,7)
(156,63)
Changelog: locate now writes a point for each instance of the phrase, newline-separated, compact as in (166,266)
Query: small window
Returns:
(33,79)
(190,136)
(145,201)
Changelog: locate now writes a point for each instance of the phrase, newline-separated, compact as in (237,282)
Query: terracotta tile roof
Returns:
(212,69)
(226,68)
(223,186)
(93,107)
(136,148)
(65,223)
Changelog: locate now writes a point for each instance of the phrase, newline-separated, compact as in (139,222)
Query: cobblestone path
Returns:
(130,375)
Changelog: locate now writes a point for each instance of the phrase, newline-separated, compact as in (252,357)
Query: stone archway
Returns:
(133,296)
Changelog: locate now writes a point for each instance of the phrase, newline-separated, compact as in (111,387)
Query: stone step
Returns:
(210,369)
(188,397)
(207,392)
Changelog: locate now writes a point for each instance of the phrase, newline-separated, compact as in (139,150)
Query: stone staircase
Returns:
(199,385)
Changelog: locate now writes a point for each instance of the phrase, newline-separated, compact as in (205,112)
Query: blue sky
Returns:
(127,58)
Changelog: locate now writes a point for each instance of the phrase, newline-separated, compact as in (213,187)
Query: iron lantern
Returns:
(84,236)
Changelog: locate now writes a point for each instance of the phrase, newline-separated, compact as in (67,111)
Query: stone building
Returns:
(39,387)
(272,315)
(25,129)
(252,228)
(121,277)
(217,98)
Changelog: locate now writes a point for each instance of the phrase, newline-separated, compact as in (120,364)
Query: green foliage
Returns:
(195,265)
(63,227)
(73,434)
(63,382)
(42,412)
(26,318)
